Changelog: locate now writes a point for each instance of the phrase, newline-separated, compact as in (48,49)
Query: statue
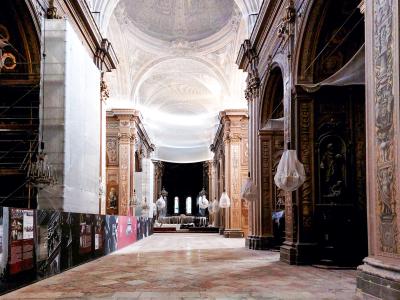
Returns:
(332,172)
(160,203)
(112,198)
(203,205)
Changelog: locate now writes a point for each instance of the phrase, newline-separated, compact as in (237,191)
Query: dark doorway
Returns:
(182,180)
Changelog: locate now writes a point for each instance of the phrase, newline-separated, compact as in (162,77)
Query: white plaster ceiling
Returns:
(177,66)
(189,20)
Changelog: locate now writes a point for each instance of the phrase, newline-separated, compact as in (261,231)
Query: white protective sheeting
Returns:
(290,174)
(71,121)
(249,190)
(224,201)
(352,73)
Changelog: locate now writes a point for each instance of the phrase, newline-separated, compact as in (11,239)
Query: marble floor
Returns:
(192,266)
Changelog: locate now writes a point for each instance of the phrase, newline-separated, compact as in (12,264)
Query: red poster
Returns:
(126,231)
(21,245)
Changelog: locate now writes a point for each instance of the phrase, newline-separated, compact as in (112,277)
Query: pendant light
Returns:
(41,172)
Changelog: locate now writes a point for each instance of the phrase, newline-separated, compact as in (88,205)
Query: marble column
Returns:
(379,276)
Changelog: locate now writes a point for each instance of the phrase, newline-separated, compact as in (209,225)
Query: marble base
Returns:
(233,233)
(260,242)
(379,279)
(298,254)
(221,231)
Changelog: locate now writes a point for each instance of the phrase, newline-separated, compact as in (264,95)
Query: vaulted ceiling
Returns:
(177,66)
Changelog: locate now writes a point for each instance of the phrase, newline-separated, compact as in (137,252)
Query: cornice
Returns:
(135,116)
(101,49)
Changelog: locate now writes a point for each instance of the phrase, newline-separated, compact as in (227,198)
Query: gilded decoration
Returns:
(112,151)
(8,61)
(384,114)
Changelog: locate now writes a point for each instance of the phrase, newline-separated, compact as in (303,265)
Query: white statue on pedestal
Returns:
(160,203)
(203,205)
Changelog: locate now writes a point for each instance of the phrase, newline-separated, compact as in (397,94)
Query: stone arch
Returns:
(317,47)
(20,59)
(271,106)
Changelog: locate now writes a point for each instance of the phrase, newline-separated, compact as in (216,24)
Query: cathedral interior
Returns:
(200,149)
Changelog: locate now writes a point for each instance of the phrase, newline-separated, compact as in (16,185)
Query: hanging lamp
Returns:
(40,172)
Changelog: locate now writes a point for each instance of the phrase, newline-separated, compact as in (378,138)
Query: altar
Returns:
(184,220)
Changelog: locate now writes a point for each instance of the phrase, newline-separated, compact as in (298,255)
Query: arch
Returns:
(335,26)
(271,106)
(20,88)
(140,77)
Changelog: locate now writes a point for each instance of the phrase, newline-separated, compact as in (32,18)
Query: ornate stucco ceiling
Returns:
(177,65)
(189,20)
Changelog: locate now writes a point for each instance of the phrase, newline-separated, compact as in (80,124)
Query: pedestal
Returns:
(379,278)
(260,243)
(298,254)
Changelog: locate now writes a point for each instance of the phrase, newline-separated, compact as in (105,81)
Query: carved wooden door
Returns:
(340,175)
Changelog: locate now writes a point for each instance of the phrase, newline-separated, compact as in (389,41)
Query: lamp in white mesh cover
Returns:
(249,190)
(224,201)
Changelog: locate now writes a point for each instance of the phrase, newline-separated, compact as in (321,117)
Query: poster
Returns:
(126,231)
(22,243)
(85,236)
(27,231)
(111,234)
(99,235)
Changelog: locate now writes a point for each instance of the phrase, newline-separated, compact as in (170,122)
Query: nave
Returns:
(192,266)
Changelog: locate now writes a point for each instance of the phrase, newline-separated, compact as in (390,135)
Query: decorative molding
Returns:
(112,151)
(305,193)
(285,27)
(266,201)
(384,115)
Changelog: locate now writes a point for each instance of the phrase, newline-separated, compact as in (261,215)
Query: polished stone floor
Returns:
(192,266)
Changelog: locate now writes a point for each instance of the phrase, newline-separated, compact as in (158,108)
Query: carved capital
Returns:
(285,26)
(104,90)
(52,11)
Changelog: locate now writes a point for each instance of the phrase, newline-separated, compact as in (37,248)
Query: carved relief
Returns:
(384,104)
(8,60)
(104,90)
(124,177)
(112,125)
(266,184)
(305,154)
(112,151)
(245,152)
(235,169)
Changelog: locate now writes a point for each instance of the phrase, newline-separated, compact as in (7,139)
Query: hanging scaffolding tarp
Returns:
(352,73)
